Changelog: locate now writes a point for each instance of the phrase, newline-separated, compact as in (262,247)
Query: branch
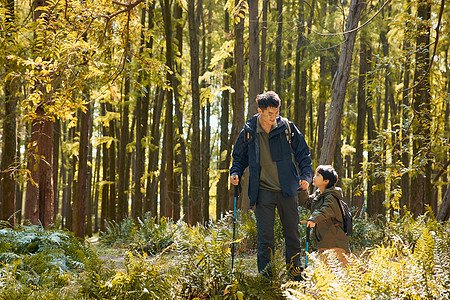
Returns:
(354,29)
(128,8)
(434,52)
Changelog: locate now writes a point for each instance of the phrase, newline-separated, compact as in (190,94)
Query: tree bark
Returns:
(421,188)
(358,194)
(262,72)
(169,111)
(253,61)
(79,203)
(278,66)
(8,191)
(195,189)
(340,83)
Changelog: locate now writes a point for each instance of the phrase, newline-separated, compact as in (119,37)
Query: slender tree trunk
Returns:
(421,187)
(151,203)
(79,203)
(142,105)
(340,83)
(181,158)
(56,142)
(262,73)
(299,103)
(253,52)
(8,191)
(105,174)
(112,169)
(358,190)
(278,66)
(122,201)
(239,95)
(195,189)
(225,145)
(169,112)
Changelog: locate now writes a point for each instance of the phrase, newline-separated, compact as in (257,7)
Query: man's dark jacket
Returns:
(246,154)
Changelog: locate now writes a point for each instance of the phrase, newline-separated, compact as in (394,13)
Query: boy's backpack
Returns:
(346,216)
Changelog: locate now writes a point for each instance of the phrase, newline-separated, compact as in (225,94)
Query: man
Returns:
(266,145)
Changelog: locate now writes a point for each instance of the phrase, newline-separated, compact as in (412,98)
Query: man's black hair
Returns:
(328,172)
(268,99)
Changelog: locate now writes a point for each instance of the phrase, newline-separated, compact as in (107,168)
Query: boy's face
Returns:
(268,115)
(319,181)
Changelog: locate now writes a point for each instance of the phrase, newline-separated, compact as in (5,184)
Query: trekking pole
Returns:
(308,229)
(236,196)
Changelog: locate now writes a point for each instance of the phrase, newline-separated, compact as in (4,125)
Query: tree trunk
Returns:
(421,188)
(181,154)
(56,142)
(253,61)
(122,199)
(169,111)
(340,83)
(239,95)
(105,174)
(8,191)
(299,103)
(262,73)
(79,203)
(151,203)
(195,189)
(112,169)
(358,194)
(278,65)
(225,145)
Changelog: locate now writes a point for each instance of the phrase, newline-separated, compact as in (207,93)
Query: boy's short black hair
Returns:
(268,99)
(328,173)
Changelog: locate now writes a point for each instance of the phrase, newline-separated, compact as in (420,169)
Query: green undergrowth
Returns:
(400,258)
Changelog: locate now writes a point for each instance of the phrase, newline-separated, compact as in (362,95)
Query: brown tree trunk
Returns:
(299,102)
(279,47)
(181,159)
(405,200)
(112,169)
(169,112)
(8,190)
(340,83)
(225,145)
(253,60)
(358,189)
(262,72)
(421,188)
(79,203)
(195,189)
(151,203)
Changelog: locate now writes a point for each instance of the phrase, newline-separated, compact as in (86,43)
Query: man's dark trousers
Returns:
(265,218)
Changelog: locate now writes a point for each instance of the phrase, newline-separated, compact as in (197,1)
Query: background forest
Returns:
(111,110)
(118,118)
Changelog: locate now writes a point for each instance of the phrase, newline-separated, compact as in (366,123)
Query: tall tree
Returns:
(421,186)
(278,49)
(79,202)
(225,145)
(195,188)
(340,82)
(9,128)
(181,159)
(169,109)
(358,195)
(253,60)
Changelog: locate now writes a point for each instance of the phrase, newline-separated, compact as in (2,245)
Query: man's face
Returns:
(268,115)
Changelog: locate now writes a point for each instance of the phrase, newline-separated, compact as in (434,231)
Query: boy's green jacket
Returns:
(328,232)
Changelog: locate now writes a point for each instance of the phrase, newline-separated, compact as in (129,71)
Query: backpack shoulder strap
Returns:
(288,130)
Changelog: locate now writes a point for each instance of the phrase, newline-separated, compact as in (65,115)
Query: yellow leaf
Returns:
(49,88)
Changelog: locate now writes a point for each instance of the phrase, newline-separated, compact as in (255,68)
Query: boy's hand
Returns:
(304,184)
